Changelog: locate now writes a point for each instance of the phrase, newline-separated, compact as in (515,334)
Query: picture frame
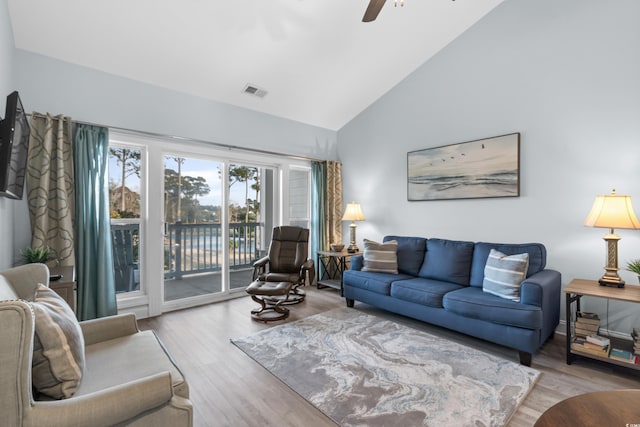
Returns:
(482,168)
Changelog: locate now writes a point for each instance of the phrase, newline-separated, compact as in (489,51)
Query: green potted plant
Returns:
(634,266)
(38,255)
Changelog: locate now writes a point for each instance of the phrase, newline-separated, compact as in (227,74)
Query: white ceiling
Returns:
(318,62)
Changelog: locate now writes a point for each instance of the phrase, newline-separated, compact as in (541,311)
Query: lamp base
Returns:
(615,284)
(610,277)
(353,248)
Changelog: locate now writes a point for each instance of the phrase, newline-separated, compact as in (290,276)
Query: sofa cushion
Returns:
(410,253)
(472,302)
(58,347)
(129,358)
(447,260)
(379,283)
(503,274)
(422,291)
(380,257)
(537,258)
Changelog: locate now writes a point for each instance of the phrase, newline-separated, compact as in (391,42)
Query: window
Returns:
(299,197)
(125,196)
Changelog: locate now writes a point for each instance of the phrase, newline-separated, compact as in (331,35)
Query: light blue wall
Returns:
(566,75)
(6,86)
(48,85)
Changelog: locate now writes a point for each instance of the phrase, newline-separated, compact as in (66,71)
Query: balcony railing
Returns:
(197,248)
(125,238)
(188,249)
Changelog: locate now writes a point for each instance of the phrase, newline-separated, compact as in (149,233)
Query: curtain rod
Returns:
(184,139)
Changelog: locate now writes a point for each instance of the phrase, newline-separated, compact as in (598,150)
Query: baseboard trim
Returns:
(562,330)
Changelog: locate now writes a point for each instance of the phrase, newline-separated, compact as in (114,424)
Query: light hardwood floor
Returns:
(230,389)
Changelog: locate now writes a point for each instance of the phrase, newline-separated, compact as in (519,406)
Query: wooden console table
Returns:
(579,288)
(597,409)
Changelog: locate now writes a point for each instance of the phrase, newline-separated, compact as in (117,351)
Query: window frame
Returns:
(149,300)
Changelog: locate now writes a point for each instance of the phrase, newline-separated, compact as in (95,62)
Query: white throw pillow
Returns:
(381,257)
(503,274)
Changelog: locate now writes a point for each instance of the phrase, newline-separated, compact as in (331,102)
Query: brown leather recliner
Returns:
(277,277)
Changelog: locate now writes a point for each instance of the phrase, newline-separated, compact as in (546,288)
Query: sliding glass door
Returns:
(213,233)
(193,245)
(250,220)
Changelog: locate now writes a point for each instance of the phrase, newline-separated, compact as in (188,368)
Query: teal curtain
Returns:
(318,207)
(94,255)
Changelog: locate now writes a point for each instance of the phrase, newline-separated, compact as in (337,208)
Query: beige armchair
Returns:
(129,378)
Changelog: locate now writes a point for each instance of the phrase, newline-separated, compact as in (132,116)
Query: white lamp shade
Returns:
(612,211)
(353,212)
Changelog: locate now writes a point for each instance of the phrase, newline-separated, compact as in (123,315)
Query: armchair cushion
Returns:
(280,277)
(58,349)
(126,359)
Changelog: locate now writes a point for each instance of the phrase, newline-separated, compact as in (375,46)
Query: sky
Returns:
(208,169)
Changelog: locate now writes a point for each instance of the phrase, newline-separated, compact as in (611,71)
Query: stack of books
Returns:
(624,356)
(586,324)
(592,344)
(635,335)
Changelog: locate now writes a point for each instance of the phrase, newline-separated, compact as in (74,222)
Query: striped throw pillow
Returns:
(381,257)
(503,274)
(58,348)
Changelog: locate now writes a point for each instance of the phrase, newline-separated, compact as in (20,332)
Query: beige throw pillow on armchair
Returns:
(58,348)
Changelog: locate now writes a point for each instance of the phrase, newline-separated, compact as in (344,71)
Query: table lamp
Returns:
(353,213)
(612,211)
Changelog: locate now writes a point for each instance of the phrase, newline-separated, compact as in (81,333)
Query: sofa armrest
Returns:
(16,348)
(356,262)
(106,407)
(543,290)
(537,288)
(107,328)
(25,278)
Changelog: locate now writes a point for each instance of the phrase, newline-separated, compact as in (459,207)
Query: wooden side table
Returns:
(600,408)
(331,265)
(66,286)
(579,288)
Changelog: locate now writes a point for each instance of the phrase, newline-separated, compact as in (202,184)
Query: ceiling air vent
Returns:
(255,91)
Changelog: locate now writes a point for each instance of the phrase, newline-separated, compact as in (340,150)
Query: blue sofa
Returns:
(441,282)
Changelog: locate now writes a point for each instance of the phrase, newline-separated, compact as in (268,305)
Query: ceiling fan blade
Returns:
(373,10)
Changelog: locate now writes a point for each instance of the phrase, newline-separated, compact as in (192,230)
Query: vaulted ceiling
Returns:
(317,61)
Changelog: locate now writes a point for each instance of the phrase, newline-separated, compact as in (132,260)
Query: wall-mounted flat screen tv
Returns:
(14,147)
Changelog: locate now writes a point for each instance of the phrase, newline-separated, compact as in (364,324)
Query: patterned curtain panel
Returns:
(326,200)
(94,269)
(50,188)
(333,213)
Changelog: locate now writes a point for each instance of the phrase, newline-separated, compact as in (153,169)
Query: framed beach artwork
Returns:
(487,167)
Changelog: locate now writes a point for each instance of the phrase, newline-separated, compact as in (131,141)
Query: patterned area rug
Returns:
(361,370)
